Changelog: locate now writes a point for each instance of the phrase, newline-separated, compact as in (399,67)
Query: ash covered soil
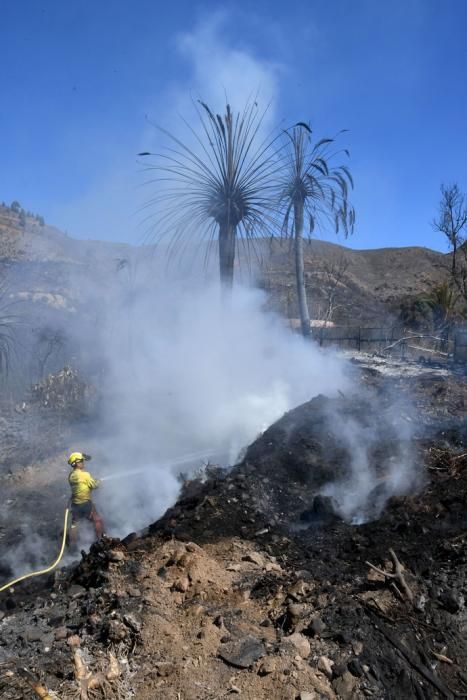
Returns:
(253,585)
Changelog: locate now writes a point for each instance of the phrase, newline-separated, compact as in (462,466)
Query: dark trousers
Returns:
(85,511)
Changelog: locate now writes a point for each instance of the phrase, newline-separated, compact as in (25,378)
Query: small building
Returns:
(296,324)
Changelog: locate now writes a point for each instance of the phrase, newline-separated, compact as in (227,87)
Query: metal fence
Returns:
(460,344)
(397,341)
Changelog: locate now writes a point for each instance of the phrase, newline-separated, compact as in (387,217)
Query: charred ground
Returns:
(252,585)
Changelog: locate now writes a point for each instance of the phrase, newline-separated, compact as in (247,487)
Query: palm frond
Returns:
(10,319)
(224,179)
(304,126)
(311,177)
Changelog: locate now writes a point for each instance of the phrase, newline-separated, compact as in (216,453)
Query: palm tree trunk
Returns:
(299,268)
(454,253)
(227,235)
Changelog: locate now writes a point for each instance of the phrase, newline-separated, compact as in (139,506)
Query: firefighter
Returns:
(82,484)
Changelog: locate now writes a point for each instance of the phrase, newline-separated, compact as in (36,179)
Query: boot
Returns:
(98,524)
(73,537)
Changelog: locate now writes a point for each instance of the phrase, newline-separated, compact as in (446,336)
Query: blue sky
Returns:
(80,79)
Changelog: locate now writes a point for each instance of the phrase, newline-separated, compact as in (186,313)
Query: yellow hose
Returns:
(49,568)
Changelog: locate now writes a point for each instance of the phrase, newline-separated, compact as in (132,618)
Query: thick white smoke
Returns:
(381,461)
(202,377)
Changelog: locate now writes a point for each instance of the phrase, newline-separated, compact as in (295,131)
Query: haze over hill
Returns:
(52,269)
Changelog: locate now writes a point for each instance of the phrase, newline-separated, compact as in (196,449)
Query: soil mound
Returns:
(353,451)
(225,595)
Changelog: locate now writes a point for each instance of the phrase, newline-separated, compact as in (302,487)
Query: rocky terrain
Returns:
(252,584)
(57,273)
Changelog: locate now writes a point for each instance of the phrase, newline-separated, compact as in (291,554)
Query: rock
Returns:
(197,610)
(374,576)
(129,538)
(263,531)
(325,666)
(316,626)
(299,643)
(343,637)
(234,567)
(76,591)
(339,669)
(192,547)
(308,695)
(47,640)
(298,590)
(181,584)
(255,558)
(176,555)
(267,665)
(355,668)
(420,602)
(131,622)
(294,612)
(60,633)
(242,653)
(116,556)
(344,686)
(164,668)
(74,641)
(357,648)
(115,631)
(288,692)
(273,566)
(304,574)
(32,634)
(134,592)
(451,601)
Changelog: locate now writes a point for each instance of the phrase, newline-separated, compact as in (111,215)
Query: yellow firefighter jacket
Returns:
(82,483)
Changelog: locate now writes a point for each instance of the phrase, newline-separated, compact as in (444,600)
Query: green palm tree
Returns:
(312,192)
(221,188)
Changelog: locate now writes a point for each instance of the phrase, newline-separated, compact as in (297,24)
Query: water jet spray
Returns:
(163,465)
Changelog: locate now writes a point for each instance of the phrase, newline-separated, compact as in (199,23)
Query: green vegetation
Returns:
(23,215)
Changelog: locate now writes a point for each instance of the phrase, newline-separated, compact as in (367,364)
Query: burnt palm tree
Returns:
(443,301)
(313,192)
(219,188)
(9,322)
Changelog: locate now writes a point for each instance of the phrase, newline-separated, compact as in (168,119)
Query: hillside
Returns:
(365,286)
(350,286)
